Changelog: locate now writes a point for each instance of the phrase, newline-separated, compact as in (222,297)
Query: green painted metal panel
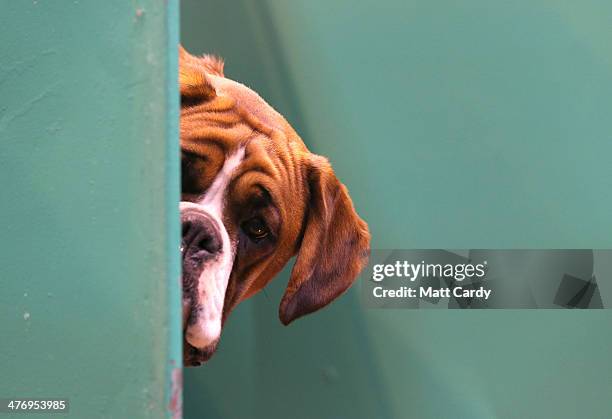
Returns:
(89,300)
(454,124)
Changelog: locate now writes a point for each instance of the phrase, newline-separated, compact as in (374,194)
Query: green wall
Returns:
(476,124)
(89,297)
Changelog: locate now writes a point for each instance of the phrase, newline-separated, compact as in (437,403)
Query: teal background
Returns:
(89,275)
(475,124)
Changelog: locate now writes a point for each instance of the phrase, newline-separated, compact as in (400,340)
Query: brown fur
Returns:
(316,217)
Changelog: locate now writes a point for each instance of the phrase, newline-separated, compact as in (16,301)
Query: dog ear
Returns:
(335,246)
(193,83)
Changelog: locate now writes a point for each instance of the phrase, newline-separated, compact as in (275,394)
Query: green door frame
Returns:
(90,276)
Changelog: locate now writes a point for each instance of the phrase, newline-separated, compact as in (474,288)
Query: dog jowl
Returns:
(253,197)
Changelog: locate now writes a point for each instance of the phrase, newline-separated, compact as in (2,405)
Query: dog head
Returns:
(253,197)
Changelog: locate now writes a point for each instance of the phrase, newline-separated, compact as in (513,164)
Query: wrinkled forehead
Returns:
(253,107)
(234,115)
(238,122)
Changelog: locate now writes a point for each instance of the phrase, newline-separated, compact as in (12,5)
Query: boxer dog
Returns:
(253,197)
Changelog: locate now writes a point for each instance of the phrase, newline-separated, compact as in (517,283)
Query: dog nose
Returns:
(200,235)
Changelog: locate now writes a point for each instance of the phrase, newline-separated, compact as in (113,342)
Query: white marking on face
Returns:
(212,283)
(214,196)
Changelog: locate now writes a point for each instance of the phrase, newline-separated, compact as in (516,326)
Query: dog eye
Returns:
(255,228)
